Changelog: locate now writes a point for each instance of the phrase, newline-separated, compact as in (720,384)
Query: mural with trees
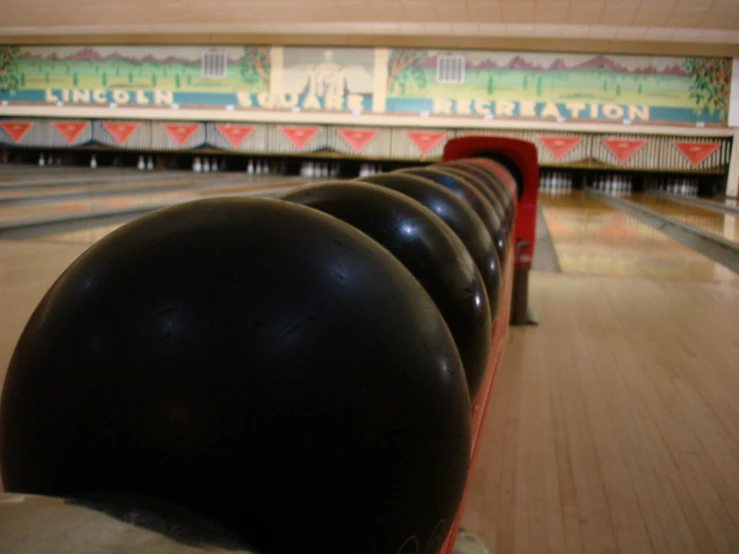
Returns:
(710,87)
(404,69)
(9,76)
(256,65)
(592,86)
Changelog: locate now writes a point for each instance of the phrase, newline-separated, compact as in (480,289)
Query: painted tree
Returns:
(256,65)
(104,79)
(75,81)
(710,88)
(490,85)
(177,80)
(9,79)
(539,87)
(406,66)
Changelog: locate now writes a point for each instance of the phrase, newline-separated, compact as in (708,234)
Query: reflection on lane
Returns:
(720,224)
(592,238)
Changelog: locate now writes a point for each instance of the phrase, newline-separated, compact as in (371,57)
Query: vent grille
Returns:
(450,69)
(214,65)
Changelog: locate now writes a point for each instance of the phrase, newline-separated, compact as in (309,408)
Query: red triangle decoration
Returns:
(70,130)
(16,129)
(559,147)
(623,149)
(299,136)
(234,134)
(357,138)
(180,132)
(696,152)
(425,141)
(120,131)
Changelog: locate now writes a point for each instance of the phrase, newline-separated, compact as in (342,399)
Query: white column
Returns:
(276,76)
(380,89)
(732,182)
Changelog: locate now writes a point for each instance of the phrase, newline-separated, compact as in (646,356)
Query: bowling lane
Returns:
(719,224)
(725,202)
(104,203)
(147,183)
(81,236)
(591,238)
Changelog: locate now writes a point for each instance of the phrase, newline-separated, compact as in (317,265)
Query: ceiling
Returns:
(658,21)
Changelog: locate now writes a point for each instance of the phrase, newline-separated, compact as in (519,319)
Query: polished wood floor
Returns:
(614,425)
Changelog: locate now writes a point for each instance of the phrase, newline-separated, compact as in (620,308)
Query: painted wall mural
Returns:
(328,79)
(570,86)
(536,86)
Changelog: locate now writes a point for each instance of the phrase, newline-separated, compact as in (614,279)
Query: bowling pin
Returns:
(214,165)
(41,160)
(197,166)
(93,162)
(310,170)
(150,163)
(250,166)
(141,164)
(206,165)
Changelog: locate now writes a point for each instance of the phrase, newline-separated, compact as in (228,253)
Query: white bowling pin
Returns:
(141,164)
(197,165)
(206,165)
(93,162)
(310,170)
(214,165)
(250,166)
(150,163)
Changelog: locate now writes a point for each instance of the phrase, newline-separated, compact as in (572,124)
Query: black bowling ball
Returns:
(458,216)
(491,180)
(473,197)
(428,248)
(474,180)
(255,361)
(486,193)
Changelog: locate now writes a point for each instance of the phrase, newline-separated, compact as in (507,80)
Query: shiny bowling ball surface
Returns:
(458,216)
(427,247)
(474,198)
(252,360)
(488,186)
(484,173)
(486,193)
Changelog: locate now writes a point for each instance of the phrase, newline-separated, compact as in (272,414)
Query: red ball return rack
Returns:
(515,163)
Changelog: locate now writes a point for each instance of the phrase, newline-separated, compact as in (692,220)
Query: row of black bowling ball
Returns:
(298,369)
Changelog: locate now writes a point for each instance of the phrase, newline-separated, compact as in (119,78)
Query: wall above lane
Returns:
(486,87)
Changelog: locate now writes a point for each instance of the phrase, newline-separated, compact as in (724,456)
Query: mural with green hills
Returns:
(578,86)
(586,87)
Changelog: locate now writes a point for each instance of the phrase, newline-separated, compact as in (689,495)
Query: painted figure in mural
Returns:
(327,79)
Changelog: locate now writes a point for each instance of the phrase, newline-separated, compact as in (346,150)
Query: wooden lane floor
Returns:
(591,238)
(613,425)
(263,186)
(720,224)
(51,184)
(137,182)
